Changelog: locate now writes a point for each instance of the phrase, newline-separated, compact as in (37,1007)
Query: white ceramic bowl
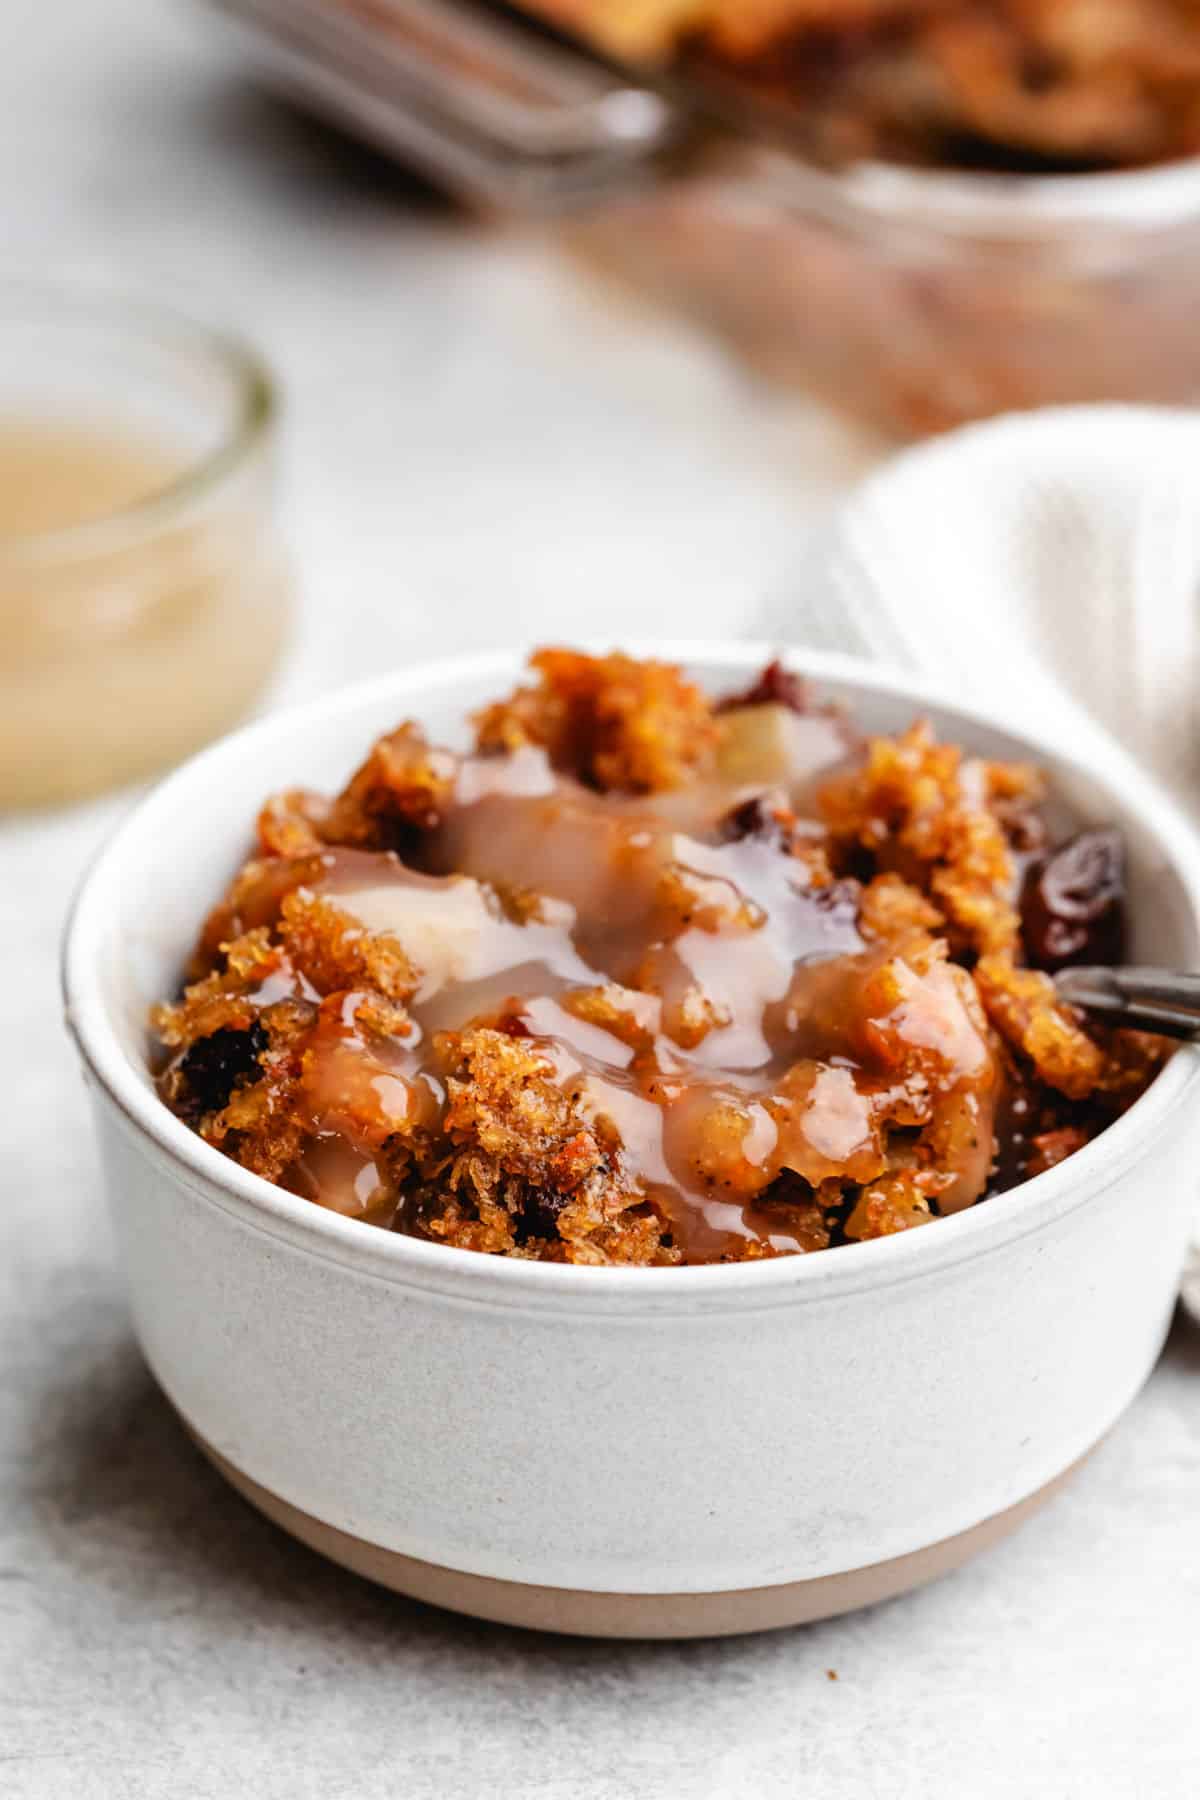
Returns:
(658,1452)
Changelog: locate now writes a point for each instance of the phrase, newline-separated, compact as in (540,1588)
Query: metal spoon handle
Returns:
(1162,1000)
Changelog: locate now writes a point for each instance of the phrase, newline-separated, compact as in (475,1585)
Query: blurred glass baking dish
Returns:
(914,298)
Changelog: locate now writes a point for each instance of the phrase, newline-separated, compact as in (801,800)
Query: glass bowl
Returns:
(142,599)
(918,299)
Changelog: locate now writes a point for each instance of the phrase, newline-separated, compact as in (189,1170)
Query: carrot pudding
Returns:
(653,978)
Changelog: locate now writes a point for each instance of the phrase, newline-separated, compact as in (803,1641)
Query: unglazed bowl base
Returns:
(584,1613)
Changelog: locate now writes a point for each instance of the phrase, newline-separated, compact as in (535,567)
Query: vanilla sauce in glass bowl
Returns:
(142,598)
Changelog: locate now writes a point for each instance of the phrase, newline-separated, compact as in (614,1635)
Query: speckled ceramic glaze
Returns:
(659,1451)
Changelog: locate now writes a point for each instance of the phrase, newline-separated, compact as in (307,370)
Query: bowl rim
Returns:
(1032,1206)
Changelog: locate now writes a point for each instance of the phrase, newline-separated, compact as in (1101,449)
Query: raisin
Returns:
(855,862)
(1039,69)
(776,686)
(787,1189)
(1073,903)
(538,1217)
(765,816)
(216,1065)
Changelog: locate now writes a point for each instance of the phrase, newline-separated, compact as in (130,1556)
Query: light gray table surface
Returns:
(480,446)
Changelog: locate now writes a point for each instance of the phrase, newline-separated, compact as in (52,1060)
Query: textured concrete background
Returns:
(479,447)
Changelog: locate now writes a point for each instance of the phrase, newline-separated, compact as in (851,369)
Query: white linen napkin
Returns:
(1046,563)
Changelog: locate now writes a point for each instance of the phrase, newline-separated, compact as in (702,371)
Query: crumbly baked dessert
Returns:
(1061,84)
(650,978)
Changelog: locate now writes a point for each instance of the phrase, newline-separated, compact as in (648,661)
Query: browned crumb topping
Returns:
(653,979)
(611,721)
(924,811)
(1021,84)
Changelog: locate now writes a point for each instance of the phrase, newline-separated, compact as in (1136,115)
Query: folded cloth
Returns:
(1047,564)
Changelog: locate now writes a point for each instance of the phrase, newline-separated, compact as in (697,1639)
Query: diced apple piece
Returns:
(442,925)
(773,745)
